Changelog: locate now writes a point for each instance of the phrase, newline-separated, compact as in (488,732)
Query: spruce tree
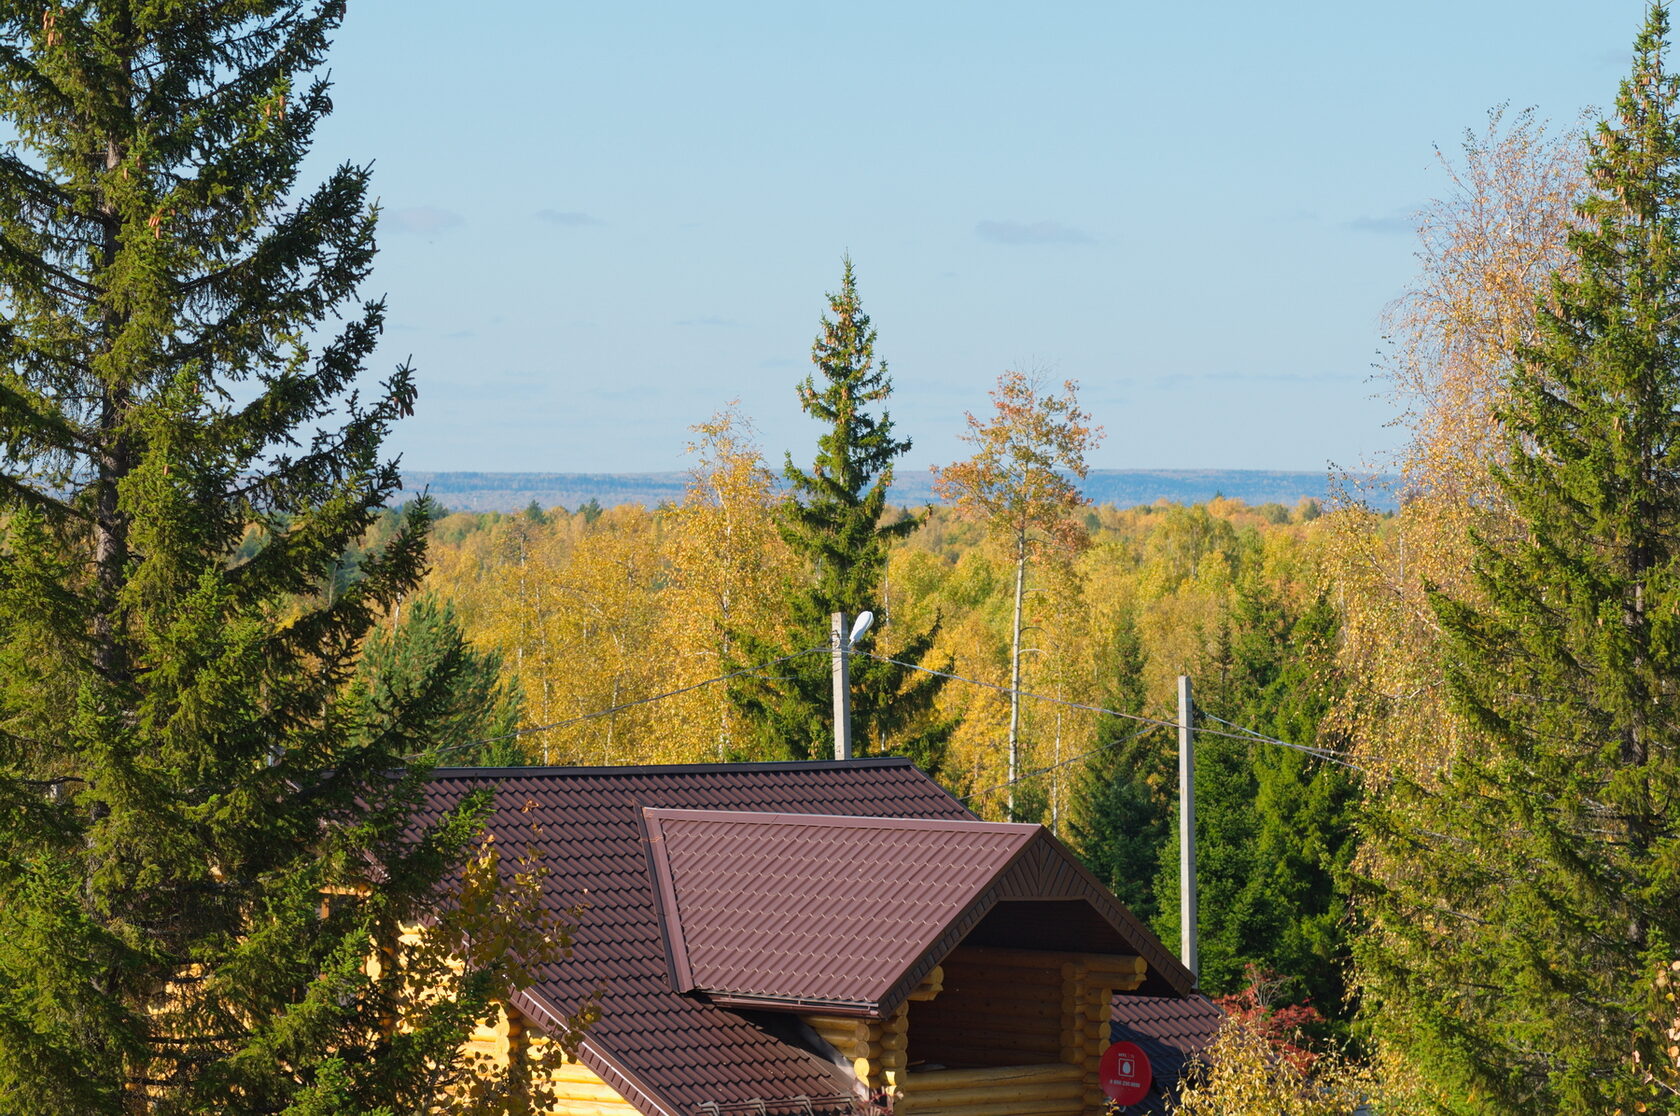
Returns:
(1306,808)
(1274,826)
(1536,894)
(1122,808)
(478,717)
(835,519)
(206,824)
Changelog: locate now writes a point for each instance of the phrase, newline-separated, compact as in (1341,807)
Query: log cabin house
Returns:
(825,939)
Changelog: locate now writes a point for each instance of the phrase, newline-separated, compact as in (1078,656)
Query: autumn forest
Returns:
(1319,638)
(1437,714)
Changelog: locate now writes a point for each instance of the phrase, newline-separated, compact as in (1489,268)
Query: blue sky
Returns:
(603,221)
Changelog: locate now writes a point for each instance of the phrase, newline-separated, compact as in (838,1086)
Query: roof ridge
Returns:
(861,821)
(861,762)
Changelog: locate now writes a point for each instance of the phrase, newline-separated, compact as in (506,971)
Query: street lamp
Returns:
(840,645)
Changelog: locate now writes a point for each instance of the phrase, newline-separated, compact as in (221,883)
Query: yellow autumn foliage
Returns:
(593,613)
(1243,1074)
(1487,248)
(597,614)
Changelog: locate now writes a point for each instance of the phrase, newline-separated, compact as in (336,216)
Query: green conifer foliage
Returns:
(187,766)
(1123,807)
(1538,893)
(1274,826)
(835,519)
(424,647)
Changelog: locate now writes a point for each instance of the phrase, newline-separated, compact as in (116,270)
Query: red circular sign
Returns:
(1124,1073)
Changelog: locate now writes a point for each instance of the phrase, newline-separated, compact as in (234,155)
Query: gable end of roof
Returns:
(1044,869)
(872,904)
(741,893)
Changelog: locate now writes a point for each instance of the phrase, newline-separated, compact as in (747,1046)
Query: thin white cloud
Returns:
(569,218)
(422,220)
(1399,224)
(1033,232)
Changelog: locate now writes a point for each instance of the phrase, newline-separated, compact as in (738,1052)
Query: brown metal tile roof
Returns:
(797,908)
(1047,870)
(1172,1031)
(669,1053)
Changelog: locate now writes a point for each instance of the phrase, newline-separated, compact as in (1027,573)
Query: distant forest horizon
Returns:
(1123,488)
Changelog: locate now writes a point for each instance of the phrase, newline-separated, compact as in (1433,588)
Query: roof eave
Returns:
(1167,963)
(636,1092)
(862,1009)
(935,949)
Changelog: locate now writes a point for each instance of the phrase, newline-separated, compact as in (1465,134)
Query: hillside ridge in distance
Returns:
(510,492)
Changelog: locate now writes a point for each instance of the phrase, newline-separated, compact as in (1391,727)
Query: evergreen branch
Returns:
(30,497)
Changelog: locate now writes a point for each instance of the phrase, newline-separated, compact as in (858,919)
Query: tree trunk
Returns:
(114,457)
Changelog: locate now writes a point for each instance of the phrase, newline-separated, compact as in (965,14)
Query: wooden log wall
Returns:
(1089,982)
(875,1047)
(1053,1090)
(1039,1019)
(578,1090)
(998,1008)
(500,1041)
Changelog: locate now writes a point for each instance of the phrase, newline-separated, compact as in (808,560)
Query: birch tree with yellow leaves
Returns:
(1487,249)
(1017,484)
(727,566)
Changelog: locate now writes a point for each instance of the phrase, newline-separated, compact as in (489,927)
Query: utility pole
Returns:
(1015,670)
(840,645)
(1186,827)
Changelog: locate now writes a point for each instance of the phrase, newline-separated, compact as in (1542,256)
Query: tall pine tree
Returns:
(205,822)
(1535,892)
(835,520)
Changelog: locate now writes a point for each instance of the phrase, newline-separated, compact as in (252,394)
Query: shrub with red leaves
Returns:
(1283,1026)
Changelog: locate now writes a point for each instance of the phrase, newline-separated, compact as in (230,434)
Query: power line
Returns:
(1155,721)
(626,705)
(1060,763)
(1152,723)
(1242,734)
(1249,734)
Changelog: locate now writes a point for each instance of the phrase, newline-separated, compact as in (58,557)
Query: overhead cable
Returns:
(760,668)
(1025,775)
(1243,733)
(1261,738)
